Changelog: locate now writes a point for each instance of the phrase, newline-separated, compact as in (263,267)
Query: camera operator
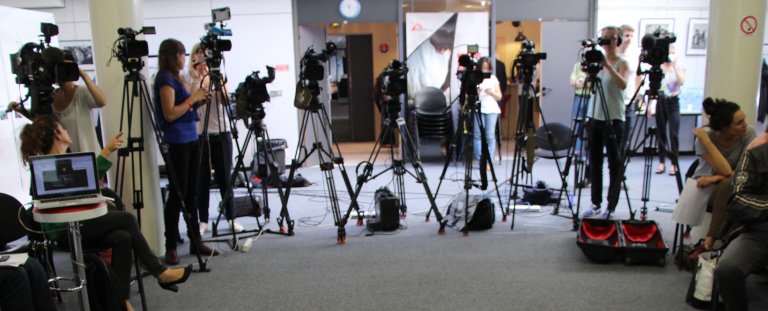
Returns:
(177,121)
(489,94)
(668,109)
(219,150)
(614,76)
(627,34)
(74,105)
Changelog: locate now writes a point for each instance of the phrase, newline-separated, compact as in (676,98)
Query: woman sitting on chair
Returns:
(747,221)
(117,230)
(719,151)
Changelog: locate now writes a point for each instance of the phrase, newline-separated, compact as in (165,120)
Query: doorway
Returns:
(351,66)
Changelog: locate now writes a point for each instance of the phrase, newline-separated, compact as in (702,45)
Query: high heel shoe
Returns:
(171,286)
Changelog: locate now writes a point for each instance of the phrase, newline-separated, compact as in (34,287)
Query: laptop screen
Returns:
(64,175)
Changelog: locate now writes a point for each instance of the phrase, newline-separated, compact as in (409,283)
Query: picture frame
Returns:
(82,50)
(650,25)
(698,33)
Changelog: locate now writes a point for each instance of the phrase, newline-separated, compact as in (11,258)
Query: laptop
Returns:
(65,180)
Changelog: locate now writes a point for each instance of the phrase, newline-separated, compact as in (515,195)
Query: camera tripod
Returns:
(653,140)
(393,125)
(523,157)
(316,115)
(135,86)
(616,178)
(470,113)
(255,130)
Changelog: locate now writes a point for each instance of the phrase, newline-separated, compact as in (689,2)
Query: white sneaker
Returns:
(238,227)
(203,228)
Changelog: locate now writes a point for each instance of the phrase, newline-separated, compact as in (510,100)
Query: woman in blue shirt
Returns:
(177,121)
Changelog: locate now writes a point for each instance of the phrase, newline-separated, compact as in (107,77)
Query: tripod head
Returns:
(526,61)
(311,72)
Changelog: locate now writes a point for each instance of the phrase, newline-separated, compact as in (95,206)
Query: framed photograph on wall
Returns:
(82,50)
(651,25)
(698,32)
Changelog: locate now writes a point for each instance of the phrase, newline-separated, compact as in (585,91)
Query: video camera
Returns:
(38,66)
(472,74)
(212,42)
(655,53)
(252,93)
(592,55)
(526,60)
(311,62)
(128,50)
(395,79)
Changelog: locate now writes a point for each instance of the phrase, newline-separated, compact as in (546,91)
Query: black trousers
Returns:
(668,118)
(25,288)
(186,165)
(218,154)
(120,231)
(599,140)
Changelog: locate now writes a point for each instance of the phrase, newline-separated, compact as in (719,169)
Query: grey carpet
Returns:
(537,266)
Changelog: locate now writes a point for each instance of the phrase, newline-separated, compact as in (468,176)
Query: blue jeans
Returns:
(579,111)
(489,123)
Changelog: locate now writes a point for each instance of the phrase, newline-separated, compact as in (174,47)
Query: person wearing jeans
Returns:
(489,94)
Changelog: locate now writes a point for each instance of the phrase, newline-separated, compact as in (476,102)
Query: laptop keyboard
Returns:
(77,197)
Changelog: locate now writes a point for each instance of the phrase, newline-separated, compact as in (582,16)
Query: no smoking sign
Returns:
(748,25)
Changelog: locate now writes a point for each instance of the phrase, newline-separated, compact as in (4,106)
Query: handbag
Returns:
(700,289)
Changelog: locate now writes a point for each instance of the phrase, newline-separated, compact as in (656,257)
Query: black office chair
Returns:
(434,123)
(15,223)
(561,141)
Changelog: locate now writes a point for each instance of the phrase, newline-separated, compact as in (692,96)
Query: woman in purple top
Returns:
(177,108)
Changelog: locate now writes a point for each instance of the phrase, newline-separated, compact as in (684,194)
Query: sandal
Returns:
(673,170)
(661,168)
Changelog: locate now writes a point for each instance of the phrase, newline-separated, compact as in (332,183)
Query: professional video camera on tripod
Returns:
(525,133)
(307,93)
(606,120)
(394,85)
(470,77)
(655,52)
(38,68)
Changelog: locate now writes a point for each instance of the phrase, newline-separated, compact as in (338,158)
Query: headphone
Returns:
(617,30)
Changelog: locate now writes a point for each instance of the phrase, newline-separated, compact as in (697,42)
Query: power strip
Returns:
(527,208)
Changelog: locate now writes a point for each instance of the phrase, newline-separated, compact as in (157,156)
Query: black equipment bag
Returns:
(102,293)
(539,194)
(242,206)
(387,211)
(643,242)
(599,239)
(480,210)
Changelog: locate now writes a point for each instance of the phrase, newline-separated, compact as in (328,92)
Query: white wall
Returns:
(618,12)
(17,27)
(263,34)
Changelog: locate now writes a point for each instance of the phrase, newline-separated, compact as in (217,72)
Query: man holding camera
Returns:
(607,118)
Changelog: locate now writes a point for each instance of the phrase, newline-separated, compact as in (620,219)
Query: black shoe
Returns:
(171,286)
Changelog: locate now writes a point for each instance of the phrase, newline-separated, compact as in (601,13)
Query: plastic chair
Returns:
(434,122)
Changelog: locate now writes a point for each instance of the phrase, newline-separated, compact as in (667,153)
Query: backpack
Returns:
(540,194)
(102,293)
(480,210)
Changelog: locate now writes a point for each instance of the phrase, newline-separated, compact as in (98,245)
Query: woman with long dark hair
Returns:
(177,118)
(117,230)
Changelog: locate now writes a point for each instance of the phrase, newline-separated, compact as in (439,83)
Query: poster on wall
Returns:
(698,32)
(655,25)
(434,42)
